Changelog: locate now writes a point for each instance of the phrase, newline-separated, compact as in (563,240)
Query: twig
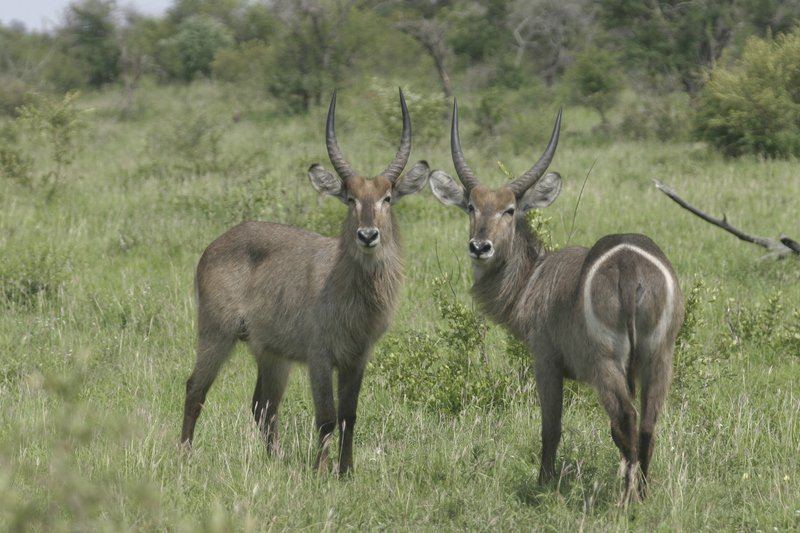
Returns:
(580,194)
(776,248)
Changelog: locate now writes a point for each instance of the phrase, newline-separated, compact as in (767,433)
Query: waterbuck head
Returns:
(493,215)
(370,222)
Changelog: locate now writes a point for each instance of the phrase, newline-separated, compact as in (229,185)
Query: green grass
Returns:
(93,367)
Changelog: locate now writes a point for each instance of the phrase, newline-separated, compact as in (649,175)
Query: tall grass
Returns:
(95,355)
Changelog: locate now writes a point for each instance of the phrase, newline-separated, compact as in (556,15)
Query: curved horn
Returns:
(526,181)
(462,168)
(337,159)
(394,169)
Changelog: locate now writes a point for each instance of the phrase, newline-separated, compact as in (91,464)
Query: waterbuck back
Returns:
(295,296)
(607,315)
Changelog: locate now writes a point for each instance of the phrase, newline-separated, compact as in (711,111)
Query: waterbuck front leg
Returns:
(349,387)
(273,373)
(321,374)
(550,383)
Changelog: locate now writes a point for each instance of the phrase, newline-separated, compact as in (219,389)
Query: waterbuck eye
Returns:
(351,200)
(387,199)
(471,208)
(510,211)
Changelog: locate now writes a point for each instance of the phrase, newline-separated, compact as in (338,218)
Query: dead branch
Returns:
(780,249)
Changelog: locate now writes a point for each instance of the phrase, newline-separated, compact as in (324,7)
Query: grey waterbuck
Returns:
(296,296)
(605,315)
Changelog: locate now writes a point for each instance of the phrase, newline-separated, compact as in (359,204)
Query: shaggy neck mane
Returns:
(500,287)
(370,282)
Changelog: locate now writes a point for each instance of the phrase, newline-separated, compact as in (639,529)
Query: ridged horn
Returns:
(462,168)
(337,159)
(527,180)
(394,169)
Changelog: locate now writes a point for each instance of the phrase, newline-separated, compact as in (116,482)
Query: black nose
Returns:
(368,236)
(479,248)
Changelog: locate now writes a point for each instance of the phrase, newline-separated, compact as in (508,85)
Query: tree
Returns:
(304,52)
(551,29)
(89,37)
(673,37)
(480,30)
(192,49)
(432,35)
(596,81)
(753,107)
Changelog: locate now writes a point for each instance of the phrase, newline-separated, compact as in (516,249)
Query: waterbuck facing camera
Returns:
(295,296)
(606,315)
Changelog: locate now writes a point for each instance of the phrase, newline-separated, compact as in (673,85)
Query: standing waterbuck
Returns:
(605,315)
(296,296)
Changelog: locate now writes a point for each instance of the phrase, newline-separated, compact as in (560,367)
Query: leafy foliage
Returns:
(192,49)
(30,274)
(91,40)
(661,117)
(427,112)
(449,372)
(58,122)
(675,39)
(754,107)
(596,80)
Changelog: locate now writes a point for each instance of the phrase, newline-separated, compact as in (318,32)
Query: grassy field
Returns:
(98,331)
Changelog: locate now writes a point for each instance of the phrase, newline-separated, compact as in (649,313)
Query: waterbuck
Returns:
(605,315)
(296,296)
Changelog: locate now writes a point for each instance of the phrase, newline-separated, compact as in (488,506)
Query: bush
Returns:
(754,106)
(449,372)
(246,62)
(190,143)
(30,274)
(662,118)
(193,48)
(58,122)
(427,112)
(595,80)
(12,96)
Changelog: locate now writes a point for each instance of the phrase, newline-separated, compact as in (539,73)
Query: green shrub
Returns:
(15,165)
(58,122)
(190,142)
(754,106)
(696,364)
(30,273)
(192,49)
(246,62)
(662,118)
(595,80)
(449,372)
(12,96)
(428,113)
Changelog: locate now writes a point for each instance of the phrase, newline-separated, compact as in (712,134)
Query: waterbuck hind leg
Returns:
(550,384)
(321,377)
(655,385)
(271,383)
(212,351)
(349,386)
(614,395)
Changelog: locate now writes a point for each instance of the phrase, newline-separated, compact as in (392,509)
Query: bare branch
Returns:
(776,248)
(432,36)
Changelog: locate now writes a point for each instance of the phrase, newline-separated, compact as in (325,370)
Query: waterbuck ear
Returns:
(326,183)
(540,195)
(447,191)
(411,182)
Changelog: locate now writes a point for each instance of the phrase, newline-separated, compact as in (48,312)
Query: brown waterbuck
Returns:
(296,296)
(605,315)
